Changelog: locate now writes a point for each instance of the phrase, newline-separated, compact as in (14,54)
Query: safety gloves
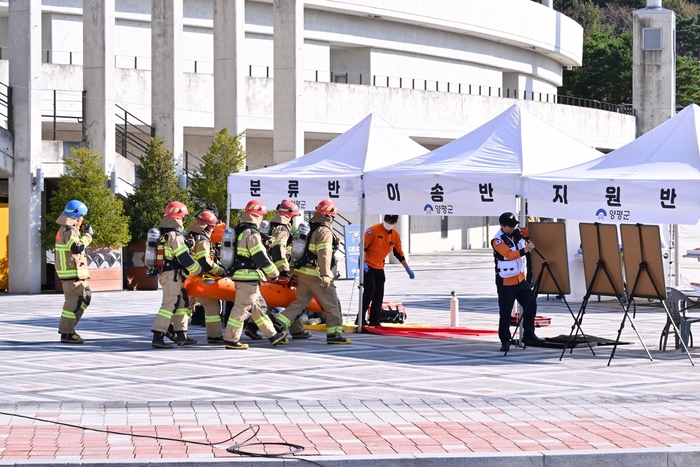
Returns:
(409,271)
(325,281)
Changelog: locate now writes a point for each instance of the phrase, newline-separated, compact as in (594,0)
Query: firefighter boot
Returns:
(337,338)
(181,338)
(170,333)
(158,342)
(301,335)
(279,338)
(72,338)
(235,345)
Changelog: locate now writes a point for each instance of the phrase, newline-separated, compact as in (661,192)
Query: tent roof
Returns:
(370,144)
(670,151)
(513,143)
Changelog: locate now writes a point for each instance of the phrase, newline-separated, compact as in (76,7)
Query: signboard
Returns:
(352,250)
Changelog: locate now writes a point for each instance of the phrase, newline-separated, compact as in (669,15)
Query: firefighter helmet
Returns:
(256,208)
(288,209)
(74,209)
(207,218)
(176,209)
(327,207)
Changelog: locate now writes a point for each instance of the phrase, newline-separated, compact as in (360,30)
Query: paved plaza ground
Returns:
(379,401)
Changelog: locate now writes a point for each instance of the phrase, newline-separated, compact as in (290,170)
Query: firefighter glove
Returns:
(326,281)
(274,279)
(88,230)
(410,273)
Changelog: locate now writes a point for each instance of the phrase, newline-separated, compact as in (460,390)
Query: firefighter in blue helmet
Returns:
(72,268)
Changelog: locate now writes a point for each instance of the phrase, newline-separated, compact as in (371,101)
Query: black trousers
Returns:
(507,295)
(373,293)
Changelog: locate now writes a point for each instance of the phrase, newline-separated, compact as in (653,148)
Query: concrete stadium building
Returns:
(292,74)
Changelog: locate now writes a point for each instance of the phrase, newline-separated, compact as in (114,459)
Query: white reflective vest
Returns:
(509,268)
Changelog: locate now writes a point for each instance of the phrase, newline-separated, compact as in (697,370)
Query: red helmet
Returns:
(288,209)
(255,207)
(327,207)
(176,209)
(207,218)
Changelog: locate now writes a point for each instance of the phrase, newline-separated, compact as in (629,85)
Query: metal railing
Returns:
(63,106)
(189,168)
(132,135)
(325,76)
(6,106)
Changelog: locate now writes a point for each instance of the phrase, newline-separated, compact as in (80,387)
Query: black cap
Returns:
(391,218)
(508,219)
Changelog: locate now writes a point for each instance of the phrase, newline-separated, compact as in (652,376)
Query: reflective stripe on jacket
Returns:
(250,247)
(69,264)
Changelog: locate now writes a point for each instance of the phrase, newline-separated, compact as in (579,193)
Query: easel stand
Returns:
(536,292)
(591,289)
(644,269)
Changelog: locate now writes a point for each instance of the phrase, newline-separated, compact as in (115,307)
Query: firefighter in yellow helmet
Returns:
(200,230)
(315,275)
(72,268)
(251,266)
(176,261)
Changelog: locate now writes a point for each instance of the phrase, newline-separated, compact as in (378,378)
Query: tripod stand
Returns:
(643,272)
(593,287)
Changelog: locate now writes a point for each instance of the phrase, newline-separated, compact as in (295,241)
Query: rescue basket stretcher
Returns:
(276,295)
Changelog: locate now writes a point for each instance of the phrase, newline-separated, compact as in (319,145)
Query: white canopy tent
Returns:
(478,174)
(654,179)
(332,171)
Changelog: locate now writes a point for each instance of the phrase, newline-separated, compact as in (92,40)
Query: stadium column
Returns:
(167,90)
(288,142)
(229,69)
(98,79)
(25,253)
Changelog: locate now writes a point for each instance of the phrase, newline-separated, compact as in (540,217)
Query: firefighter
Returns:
(509,246)
(251,266)
(280,240)
(72,268)
(380,240)
(174,262)
(200,230)
(315,275)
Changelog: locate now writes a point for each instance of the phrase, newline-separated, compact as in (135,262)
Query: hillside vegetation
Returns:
(606,73)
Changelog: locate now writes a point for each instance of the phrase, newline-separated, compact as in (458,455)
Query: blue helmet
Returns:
(75,209)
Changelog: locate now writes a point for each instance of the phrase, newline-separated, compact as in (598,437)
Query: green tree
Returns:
(606,73)
(85,180)
(157,185)
(209,186)
(687,81)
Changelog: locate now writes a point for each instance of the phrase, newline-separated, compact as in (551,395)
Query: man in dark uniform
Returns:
(509,246)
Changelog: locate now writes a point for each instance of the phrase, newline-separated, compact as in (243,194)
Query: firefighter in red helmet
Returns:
(200,230)
(176,261)
(315,275)
(250,268)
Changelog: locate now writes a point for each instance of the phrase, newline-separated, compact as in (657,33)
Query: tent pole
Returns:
(361,262)
(676,256)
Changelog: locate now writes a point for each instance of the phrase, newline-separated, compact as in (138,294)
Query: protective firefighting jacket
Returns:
(280,239)
(176,253)
(71,260)
(251,256)
(318,256)
(203,252)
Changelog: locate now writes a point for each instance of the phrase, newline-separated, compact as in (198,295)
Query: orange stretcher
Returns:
(276,295)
